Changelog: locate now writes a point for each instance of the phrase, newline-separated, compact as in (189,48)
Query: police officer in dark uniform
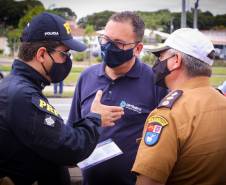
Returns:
(35,144)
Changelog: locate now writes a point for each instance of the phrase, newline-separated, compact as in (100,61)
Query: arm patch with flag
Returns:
(154,129)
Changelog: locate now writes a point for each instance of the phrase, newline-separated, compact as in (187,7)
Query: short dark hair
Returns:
(134,19)
(28,50)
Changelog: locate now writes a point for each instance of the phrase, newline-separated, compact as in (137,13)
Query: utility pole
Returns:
(195,20)
(183,15)
(171,25)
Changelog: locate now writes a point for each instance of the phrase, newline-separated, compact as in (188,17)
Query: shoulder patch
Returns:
(155,125)
(170,99)
(43,105)
(50,121)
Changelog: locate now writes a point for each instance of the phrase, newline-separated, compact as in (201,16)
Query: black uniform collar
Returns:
(21,68)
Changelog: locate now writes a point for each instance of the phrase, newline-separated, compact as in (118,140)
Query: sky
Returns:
(83,8)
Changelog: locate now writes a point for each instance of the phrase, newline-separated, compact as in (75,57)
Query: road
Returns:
(62,105)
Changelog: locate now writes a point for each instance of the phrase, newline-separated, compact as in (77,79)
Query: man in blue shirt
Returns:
(125,81)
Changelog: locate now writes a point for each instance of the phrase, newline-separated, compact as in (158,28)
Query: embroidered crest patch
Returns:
(50,121)
(154,129)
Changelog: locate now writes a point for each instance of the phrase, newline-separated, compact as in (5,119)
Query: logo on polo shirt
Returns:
(134,108)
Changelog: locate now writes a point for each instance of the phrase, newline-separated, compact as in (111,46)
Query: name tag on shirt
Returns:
(105,150)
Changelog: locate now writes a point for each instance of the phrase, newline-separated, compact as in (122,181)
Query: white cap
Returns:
(191,42)
(222,87)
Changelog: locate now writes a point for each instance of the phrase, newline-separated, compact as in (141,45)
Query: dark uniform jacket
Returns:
(35,143)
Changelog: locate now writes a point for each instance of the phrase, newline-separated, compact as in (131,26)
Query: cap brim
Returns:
(157,51)
(74,45)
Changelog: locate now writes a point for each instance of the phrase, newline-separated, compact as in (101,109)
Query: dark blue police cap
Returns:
(48,26)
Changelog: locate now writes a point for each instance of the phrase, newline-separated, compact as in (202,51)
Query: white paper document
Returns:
(103,151)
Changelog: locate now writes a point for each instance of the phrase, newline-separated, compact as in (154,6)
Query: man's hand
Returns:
(109,114)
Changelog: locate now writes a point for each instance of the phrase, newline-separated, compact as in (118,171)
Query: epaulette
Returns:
(170,99)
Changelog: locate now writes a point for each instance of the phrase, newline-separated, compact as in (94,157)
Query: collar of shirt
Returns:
(195,82)
(134,72)
(21,68)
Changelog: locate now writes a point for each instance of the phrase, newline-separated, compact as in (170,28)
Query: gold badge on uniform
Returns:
(67,27)
(154,129)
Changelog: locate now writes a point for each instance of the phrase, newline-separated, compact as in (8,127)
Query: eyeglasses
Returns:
(103,39)
(164,60)
(62,53)
(168,58)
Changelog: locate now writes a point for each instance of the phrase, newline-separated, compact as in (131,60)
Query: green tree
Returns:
(11,11)
(157,20)
(66,13)
(27,18)
(220,22)
(98,20)
(13,37)
(89,32)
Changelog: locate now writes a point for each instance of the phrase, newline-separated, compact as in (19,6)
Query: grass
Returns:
(217,80)
(72,78)
(66,94)
(219,70)
(218,77)
(77,69)
(5,68)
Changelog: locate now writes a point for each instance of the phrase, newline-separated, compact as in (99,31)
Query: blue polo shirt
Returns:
(136,92)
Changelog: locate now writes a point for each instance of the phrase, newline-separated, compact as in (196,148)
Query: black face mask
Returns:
(59,71)
(160,70)
(114,56)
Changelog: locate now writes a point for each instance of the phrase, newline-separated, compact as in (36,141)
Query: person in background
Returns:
(58,89)
(126,82)
(36,145)
(184,137)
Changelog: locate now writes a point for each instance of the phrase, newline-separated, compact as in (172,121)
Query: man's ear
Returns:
(138,49)
(40,54)
(178,62)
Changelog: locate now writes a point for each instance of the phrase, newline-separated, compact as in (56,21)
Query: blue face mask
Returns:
(114,56)
(59,71)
